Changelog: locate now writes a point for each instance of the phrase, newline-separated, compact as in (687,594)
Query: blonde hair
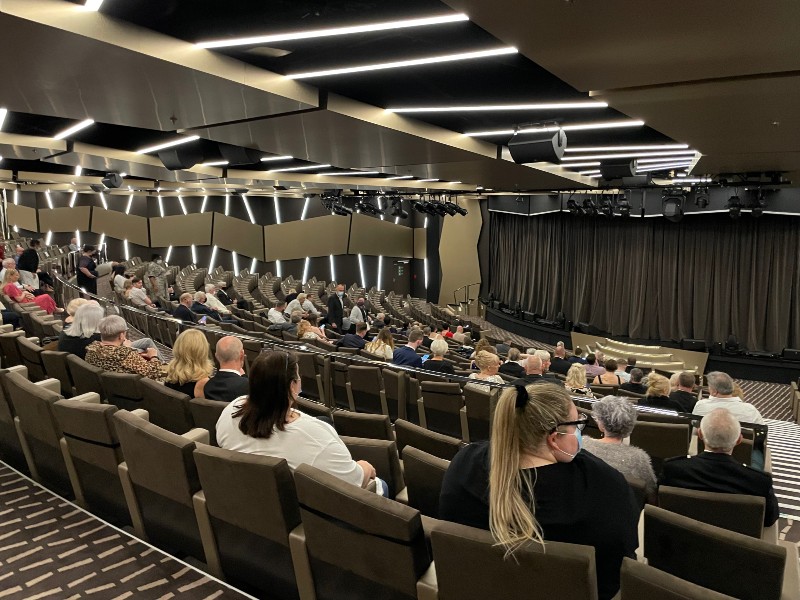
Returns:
(73,305)
(8,275)
(481,345)
(303,327)
(576,377)
(657,385)
(512,519)
(190,360)
(486,360)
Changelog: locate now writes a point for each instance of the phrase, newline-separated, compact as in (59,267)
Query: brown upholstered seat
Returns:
(338,387)
(55,365)
(638,581)
(735,512)
(395,386)
(312,408)
(661,440)
(479,402)
(437,444)
(167,408)
(123,390)
(359,544)
(381,454)
(311,376)
(10,348)
(10,448)
(440,408)
(365,390)
(205,414)
(31,354)
(86,377)
(423,474)
(376,427)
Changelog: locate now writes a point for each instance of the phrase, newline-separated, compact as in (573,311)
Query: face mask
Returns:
(340,294)
(579,435)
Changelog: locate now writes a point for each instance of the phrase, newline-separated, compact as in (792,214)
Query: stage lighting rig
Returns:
(672,205)
(623,206)
(589,208)
(735,206)
(397,208)
(606,207)
(757,208)
(701,197)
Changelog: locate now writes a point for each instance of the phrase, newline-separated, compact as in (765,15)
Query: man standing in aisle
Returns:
(336,310)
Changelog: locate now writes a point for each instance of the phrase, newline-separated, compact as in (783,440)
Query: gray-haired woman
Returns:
(616,418)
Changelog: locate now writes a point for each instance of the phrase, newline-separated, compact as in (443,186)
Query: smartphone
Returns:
(425,357)
(322,327)
(202,320)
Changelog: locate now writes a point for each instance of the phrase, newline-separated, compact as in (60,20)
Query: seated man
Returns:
(199,307)
(544,356)
(622,370)
(721,395)
(222,295)
(213,302)
(138,296)
(715,470)
(289,326)
(533,372)
(560,364)
(229,382)
(407,355)
(303,304)
(354,340)
(114,352)
(183,312)
(635,384)
(511,366)
(276,314)
(684,394)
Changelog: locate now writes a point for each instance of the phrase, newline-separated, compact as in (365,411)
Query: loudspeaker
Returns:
(96,187)
(112,180)
(528,316)
(618,170)
(495,304)
(791,354)
(183,157)
(693,345)
(716,348)
(538,146)
(239,156)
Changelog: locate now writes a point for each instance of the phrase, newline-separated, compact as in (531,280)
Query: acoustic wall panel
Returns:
(64,219)
(23,217)
(238,236)
(458,250)
(320,236)
(181,230)
(369,235)
(118,225)
(420,243)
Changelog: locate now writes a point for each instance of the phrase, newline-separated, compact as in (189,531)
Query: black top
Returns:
(529,379)
(223,297)
(514,369)
(686,400)
(560,365)
(88,263)
(335,311)
(351,340)
(580,502)
(661,402)
(426,341)
(636,388)
(28,260)
(226,387)
(440,366)
(184,314)
(714,472)
(186,388)
(75,345)
(576,360)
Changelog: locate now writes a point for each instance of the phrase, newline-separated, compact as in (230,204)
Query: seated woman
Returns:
(10,289)
(114,353)
(436,362)
(306,332)
(576,380)
(658,394)
(119,278)
(83,330)
(72,307)
(313,320)
(190,366)
(541,487)
(264,422)
(610,376)
(382,345)
(488,364)
(616,418)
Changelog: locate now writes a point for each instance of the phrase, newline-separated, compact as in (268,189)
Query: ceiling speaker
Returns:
(239,156)
(538,146)
(179,158)
(96,187)
(618,170)
(112,180)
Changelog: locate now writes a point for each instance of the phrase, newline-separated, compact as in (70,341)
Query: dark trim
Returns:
(92,442)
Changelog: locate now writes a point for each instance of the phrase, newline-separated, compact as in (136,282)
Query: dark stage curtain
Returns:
(646,278)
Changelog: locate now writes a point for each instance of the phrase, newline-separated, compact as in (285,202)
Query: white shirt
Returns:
(306,306)
(119,283)
(305,441)
(138,296)
(275,316)
(738,408)
(357,315)
(626,377)
(213,302)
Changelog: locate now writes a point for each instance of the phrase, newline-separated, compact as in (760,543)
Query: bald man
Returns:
(229,382)
(533,371)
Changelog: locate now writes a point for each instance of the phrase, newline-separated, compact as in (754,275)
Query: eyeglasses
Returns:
(579,424)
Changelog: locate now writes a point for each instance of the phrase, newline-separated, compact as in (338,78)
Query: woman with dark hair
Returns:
(87,270)
(118,278)
(610,376)
(264,422)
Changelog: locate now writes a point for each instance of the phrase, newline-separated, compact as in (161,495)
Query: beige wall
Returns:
(238,236)
(64,219)
(120,226)
(23,217)
(181,230)
(374,237)
(420,243)
(458,250)
(319,236)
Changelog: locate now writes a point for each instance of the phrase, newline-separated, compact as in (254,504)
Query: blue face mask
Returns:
(340,294)
(579,435)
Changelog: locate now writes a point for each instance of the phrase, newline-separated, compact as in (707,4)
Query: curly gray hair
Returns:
(617,415)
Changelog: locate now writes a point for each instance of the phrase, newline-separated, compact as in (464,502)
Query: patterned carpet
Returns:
(50,548)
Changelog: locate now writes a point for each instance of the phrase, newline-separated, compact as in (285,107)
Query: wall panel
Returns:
(369,235)
(181,230)
(458,250)
(238,236)
(23,217)
(64,219)
(420,243)
(320,236)
(121,226)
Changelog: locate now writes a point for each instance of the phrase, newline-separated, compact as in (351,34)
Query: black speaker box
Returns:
(716,348)
(791,354)
(184,157)
(112,180)
(618,170)
(239,156)
(693,345)
(538,146)
(528,316)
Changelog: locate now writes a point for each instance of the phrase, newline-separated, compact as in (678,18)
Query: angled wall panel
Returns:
(23,217)
(181,230)
(238,236)
(369,235)
(64,219)
(319,236)
(420,243)
(118,225)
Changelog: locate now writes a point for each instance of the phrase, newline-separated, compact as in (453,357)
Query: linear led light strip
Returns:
(407,63)
(334,31)
(74,129)
(663,167)
(306,168)
(676,153)
(3,115)
(345,174)
(665,159)
(170,144)
(235,263)
(644,147)
(595,163)
(500,107)
(276,158)
(554,128)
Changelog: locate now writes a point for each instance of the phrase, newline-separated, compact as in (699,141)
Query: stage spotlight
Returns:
(450,208)
(701,197)
(734,207)
(623,206)
(589,208)
(397,209)
(341,210)
(112,180)
(573,207)
(439,209)
(757,208)
(606,207)
(420,206)
(460,210)
(672,208)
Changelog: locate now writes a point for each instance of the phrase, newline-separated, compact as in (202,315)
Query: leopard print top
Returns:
(121,359)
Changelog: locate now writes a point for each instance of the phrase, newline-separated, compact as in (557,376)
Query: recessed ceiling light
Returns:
(74,129)
(306,168)
(344,174)
(214,163)
(664,159)
(666,167)
(594,163)
(428,180)
(630,155)
(589,172)
(92,4)
(334,31)
(406,63)
(3,114)
(170,144)
(272,158)
(502,107)
(402,177)
(627,148)
(692,180)
(575,127)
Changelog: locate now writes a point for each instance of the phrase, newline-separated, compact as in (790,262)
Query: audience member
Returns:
(73,245)
(83,330)
(222,295)
(577,356)
(138,296)
(721,395)
(533,371)
(459,335)
(482,344)
(199,307)
(72,308)
(635,384)
(28,265)
(213,302)
(610,376)
(559,364)
(544,356)
(715,470)
(359,313)
(183,312)
(86,273)
(264,422)
(378,323)
(503,347)
(658,393)
(157,277)
(488,363)
(306,332)
(621,372)
(673,382)
(229,382)
(437,362)
(446,331)
(600,357)
(684,395)
(382,345)
(576,381)
(335,314)
(119,278)
(190,366)
(9,317)
(407,355)
(354,340)
(387,323)
(113,354)
(616,418)
(43,301)
(592,368)
(303,304)
(631,361)
(512,367)
(277,314)
(541,486)
(427,340)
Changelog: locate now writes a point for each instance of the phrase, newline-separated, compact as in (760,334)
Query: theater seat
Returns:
(360,425)
(312,408)
(31,354)
(440,408)
(381,454)
(56,366)
(365,390)
(639,581)
(10,447)
(205,414)
(167,408)
(437,444)
(86,377)
(661,440)
(423,474)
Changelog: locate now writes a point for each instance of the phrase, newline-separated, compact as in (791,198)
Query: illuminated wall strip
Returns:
(305,269)
(169,254)
(277,209)
(361,269)
(235,263)
(396,220)
(102,240)
(425,224)
(16,196)
(130,203)
(247,208)
(425,269)
(72,199)
(49,199)
(48,238)
(103,200)
(213,258)
(227,205)
(78,238)
(78,171)
(380,272)
(183,206)
(125,246)
(380,205)
(203,205)
(305,209)
(278,270)
(194,255)
(253,265)
(160,206)
(333,269)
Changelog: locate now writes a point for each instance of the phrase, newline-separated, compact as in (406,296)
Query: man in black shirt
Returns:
(511,366)
(533,372)
(560,364)
(29,261)
(336,309)
(354,340)
(635,384)
(684,396)
(229,382)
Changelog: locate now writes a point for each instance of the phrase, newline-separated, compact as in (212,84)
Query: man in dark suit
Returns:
(229,382)
(684,396)
(199,307)
(336,309)
(560,364)
(511,366)
(715,470)
(222,295)
(183,312)
(354,340)
(635,384)
(533,372)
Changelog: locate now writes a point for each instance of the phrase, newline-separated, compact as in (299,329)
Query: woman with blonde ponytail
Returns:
(532,483)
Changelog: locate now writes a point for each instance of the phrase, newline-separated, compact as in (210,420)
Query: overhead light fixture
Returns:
(631,155)
(130,203)
(734,207)
(183,206)
(397,209)
(667,167)
(643,147)
(664,159)
(672,206)
(72,199)
(758,204)
(684,180)
(461,210)
(606,207)
(589,208)
(93,5)
(701,197)
(3,115)
(306,168)
(573,207)
(276,158)
(427,180)
(402,177)
(347,173)
(112,181)
(334,31)
(574,127)
(501,107)
(214,163)
(406,63)
(74,129)
(170,144)
(623,206)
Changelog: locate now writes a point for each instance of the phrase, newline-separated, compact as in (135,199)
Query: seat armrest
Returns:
(791,575)
(141,413)
(302,564)
(198,434)
(767,460)
(20,369)
(427,586)
(402,496)
(54,385)
(35,340)
(6,328)
(88,397)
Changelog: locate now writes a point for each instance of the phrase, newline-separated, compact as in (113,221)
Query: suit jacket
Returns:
(202,309)
(335,311)
(226,386)
(512,368)
(529,379)
(560,365)
(661,402)
(713,472)
(686,400)
(351,340)
(224,298)
(184,314)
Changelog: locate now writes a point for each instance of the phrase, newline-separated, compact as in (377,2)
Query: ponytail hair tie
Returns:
(522,396)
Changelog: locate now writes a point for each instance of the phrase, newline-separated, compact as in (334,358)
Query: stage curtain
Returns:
(646,278)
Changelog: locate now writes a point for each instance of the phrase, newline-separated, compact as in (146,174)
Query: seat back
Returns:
(381,454)
(366,386)
(55,365)
(394,386)
(10,348)
(314,409)
(661,440)
(470,566)
(638,580)
(168,408)
(32,358)
(357,541)
(725,561)
(437,444)
(339,380)
(424,474)
(10,448)
(123,390)
(251,527)
(164,477)
(480,402)
(89,434)
(442,402)
(307,365)
(205,414)
(736,512)
(86,377)
(376,427)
